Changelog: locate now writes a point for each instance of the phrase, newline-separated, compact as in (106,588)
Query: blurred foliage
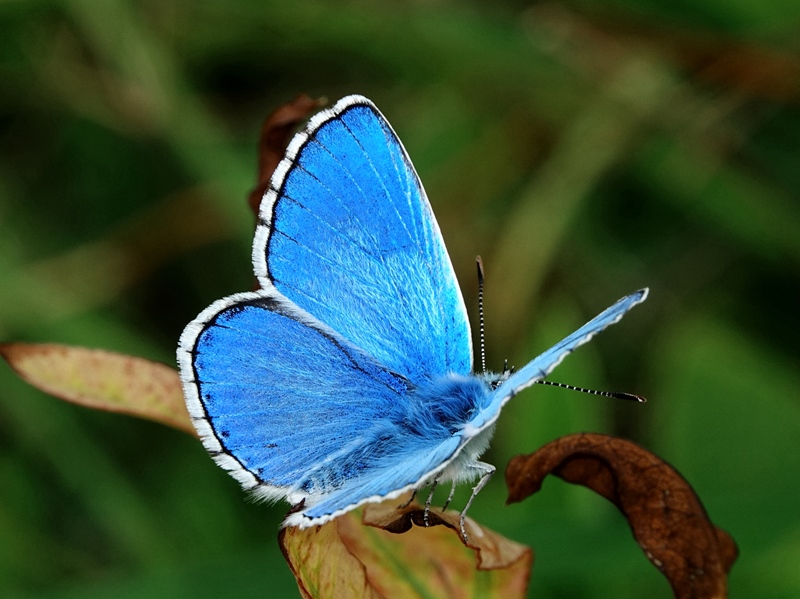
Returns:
(585,149)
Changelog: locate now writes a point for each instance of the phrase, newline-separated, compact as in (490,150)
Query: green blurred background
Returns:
(585,149)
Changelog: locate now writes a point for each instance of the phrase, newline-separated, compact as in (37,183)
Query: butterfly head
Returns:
(494,380)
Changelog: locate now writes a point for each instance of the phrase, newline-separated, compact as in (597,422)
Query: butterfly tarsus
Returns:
(450,497)
(410,499)
(428,501)
(487,471)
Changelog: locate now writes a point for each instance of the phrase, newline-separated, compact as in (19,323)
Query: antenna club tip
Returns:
(614,394)
(631,397)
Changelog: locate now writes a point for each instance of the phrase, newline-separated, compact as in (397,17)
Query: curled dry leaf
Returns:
(102,380)
(494,552)
(667,518)
(276,132)
(348,558)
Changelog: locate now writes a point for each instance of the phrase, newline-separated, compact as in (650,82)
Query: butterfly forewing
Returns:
(542,365)
(349,236)
(283,394)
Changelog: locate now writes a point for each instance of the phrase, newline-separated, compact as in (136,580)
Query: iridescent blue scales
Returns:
(347,378)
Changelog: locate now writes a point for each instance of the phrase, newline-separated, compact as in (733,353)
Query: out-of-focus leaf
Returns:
(276,132)
(102,380)
(594,143)
(349,558)
(120,258)
(668,520)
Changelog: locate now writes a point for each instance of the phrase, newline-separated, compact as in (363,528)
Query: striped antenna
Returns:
(480,312)
(615,394)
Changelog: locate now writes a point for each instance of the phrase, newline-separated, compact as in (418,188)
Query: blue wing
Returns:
(346,233)
(293,410)
(346,379)
(273,392)
(541,366)
(407,466)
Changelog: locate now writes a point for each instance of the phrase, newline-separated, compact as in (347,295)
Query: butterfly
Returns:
(347,377)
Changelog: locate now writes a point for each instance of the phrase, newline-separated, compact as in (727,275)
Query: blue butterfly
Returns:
(347,378)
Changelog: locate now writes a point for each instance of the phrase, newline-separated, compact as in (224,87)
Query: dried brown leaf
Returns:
(667,518)
(276,132)
(102,380)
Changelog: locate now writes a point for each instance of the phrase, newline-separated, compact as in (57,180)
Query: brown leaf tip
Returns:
(666,517)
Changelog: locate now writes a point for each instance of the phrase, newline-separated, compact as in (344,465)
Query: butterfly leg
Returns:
(429,499)
(410,499)
(450,497)
(487,470)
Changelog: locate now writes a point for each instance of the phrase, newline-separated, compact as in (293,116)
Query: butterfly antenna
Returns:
(480,313)
(614,394)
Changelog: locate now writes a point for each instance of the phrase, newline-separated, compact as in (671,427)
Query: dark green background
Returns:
(585,149)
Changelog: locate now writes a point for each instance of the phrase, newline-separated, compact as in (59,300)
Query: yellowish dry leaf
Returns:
(102,380)
(386,555)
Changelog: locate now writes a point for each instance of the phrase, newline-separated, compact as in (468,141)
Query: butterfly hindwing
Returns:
(347,234)
(409,463)
(294,411)
(280,392)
